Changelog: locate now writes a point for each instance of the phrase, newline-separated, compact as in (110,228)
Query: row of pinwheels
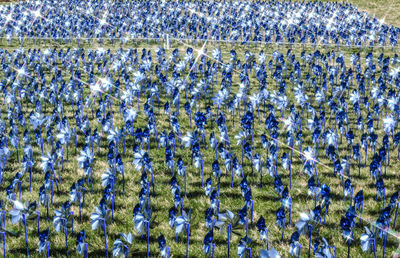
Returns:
(287,112)
(272,22)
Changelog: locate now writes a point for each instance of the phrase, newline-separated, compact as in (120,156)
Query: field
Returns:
(266,198)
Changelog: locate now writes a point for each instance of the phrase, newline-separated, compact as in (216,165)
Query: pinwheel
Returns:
(307,223)
(272,253)
(394,202)
(208,244)
(380,190)
(261,227)
(162,245)
(142,219)
(208,214)
(77,191)
(181,170)
(309,162)
(368,241)
(281,220)
(28,163)
(120,168)
(228,221)
(64,137)
(98,218)
(183,222)
(17,180)
(142,162)
(14,140)
(108,181)
(295,246)
(286,202)
(48,164)
(325,198)
(81,246)
(217,172)
(24,211)
(347,190)
(200,121)
(345,225)
(121,247)
(244,249)
(359,202)
(43,243)
(324,250)
(63,218)
(313,189)
(86,159)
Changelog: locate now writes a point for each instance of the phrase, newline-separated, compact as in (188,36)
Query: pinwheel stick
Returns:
(185,180)
(30,178)
(290,211)
(91,179)
(334,250)
(326,212)
(79,200)
(113,200)
(126,251)
(310,229)
(55,178)
(4,218)
(247,226)
(86,250)
(38,222)
(202,173)
(20,188)
(373,246)
(395,216)
(148,237)
(66,235)
(105,236)
(385,237)
(47,205)
(229,237)
(187,240)
(232,178)
(26,234)
(3,234)
(251,212)
(52,191)
(123,178)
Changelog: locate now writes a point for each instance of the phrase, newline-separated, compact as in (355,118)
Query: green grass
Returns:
(266,200)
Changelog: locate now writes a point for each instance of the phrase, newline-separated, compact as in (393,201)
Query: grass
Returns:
(266,199)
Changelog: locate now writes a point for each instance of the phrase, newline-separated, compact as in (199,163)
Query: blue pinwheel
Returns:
(244,247)
(121,246)
(81,246)
(44,244)
(345,225)
(367,240)
(23,212)
(261,227)
(295,246)
(99,218)
(281,219)
(208,244)
(162,245)
(183,223)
